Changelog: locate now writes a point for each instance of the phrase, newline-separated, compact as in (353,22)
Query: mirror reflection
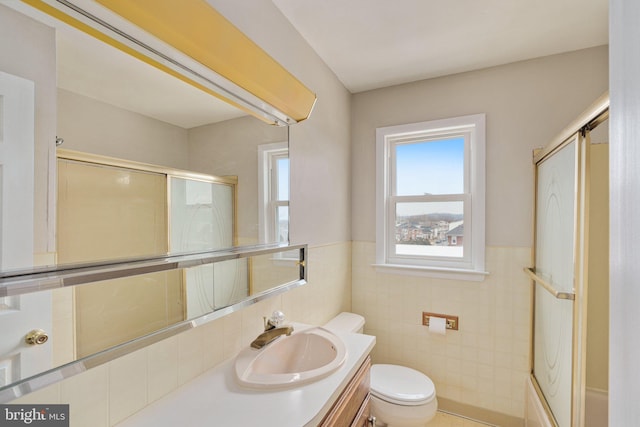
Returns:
(137,210)
(231,148)
(110,104)
(80,321)
(148,166)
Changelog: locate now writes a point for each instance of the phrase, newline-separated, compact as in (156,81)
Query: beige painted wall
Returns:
(95,127)
(27,49)
(526,103)
(319,147)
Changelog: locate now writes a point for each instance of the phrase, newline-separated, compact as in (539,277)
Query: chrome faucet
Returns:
(272,330)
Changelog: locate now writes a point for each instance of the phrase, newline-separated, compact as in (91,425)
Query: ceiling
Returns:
(367,43)
(373,43)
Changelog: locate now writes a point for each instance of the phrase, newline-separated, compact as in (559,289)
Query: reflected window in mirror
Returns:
(274,192)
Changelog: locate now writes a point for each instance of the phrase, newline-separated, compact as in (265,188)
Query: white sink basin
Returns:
(300,358)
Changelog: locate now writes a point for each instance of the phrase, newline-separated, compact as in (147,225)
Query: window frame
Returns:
(471,265)
(268,155)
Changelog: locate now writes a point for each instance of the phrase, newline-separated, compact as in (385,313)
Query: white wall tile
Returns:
(88,397)
(213,352)
(476,365)
(49,394)
(231,334)
(190,359)
(162,368)
(127,385)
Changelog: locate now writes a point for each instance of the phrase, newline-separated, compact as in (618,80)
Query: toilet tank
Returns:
(349,322)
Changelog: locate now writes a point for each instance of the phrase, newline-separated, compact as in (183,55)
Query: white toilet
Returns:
(400,396)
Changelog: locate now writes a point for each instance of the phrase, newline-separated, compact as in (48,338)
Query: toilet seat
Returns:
(401,385)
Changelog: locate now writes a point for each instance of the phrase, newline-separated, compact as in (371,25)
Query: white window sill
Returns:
(437,272)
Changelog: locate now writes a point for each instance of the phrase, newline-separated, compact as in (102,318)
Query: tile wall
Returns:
(106,395)
(486,363)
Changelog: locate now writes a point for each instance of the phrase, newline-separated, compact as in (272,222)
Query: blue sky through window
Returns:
(283,179)
(430,167)
(283,192)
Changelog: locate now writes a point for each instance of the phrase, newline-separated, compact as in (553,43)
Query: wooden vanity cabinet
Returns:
(353,407)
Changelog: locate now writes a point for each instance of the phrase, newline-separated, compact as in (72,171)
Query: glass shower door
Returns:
(557,276)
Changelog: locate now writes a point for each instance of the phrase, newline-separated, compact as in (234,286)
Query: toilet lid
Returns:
(401,385)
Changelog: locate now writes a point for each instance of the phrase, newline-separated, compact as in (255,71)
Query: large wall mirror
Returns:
(130,170)
(104,102)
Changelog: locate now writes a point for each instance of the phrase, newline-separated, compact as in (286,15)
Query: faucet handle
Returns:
(277,318)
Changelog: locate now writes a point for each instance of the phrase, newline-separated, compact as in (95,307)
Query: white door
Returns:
(16,171)
(19,314)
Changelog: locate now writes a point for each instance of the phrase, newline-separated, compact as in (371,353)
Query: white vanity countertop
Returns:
(215,399)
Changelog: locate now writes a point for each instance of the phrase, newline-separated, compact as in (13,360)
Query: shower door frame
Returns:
(578,132)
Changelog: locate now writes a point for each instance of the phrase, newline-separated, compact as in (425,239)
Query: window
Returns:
(274,192)
(430,197)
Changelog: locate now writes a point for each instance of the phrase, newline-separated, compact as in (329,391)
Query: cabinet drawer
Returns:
(362,418)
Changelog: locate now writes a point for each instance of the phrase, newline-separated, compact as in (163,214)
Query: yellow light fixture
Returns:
(241,72)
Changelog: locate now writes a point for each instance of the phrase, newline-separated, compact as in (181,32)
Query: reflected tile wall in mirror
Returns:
(81,321)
